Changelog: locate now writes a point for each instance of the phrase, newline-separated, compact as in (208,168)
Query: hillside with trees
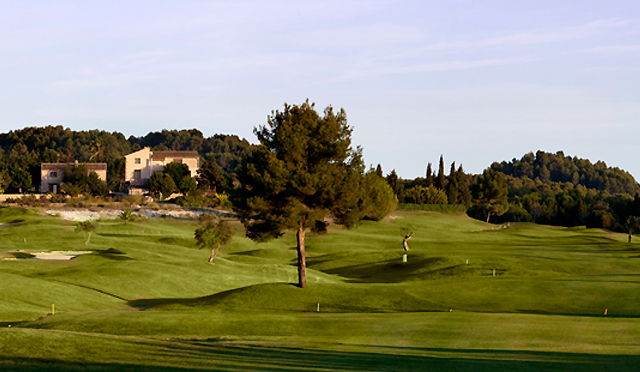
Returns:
(23,150)
(559,190)
(559,169)
(545,188)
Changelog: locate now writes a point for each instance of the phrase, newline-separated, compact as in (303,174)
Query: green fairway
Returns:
(146,298)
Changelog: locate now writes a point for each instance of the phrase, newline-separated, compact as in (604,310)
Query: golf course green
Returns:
(471,296)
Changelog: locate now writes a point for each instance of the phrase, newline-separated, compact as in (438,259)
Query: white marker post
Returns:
(494,272)
(404,258)
(467,261)
(53,309)
(318,306)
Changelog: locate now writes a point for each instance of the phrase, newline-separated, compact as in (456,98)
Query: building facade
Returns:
(51,174)
(140,165)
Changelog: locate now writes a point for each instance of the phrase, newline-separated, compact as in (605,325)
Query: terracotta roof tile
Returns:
(61,166)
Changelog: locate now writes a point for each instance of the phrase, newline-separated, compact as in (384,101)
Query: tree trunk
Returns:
(213,255)
(302,264)
(488,216)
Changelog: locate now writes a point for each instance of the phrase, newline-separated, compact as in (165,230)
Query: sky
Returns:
(476,81)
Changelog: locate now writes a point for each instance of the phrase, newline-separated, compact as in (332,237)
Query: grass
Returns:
(146,298)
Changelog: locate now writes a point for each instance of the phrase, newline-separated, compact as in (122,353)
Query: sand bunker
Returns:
(44,256)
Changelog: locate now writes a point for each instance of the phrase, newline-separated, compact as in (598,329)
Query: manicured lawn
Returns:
(147,298)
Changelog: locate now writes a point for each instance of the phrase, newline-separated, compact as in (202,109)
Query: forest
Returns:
(541,187)
(546,188)
(22,151)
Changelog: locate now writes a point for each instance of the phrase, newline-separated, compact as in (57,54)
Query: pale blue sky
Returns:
(477,81)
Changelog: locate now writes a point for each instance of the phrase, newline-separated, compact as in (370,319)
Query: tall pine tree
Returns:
(303,170)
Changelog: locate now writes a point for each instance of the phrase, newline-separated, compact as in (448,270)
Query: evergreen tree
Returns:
(303,170)
(162,183)
(425,195)
(177,171)
(490,193)
(211,176)
(452,185)
(392,181)
(19,180)
(429,179)
(377,197)
(187,184)
(213,234)
(79,180)
(463,181)
(379,171)
(440,181)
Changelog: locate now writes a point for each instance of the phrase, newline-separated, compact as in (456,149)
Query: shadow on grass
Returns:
(207,301)
(223,356)
(396,271)
(112,254)
(288,297)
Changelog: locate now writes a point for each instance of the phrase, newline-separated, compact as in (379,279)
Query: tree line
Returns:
(545,188)
(540,187)
(22,151)
(434,188)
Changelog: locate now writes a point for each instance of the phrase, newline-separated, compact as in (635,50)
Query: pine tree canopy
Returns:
(303,170)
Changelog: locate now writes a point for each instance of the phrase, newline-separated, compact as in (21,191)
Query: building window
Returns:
(137,174)
(177,160)
(53,174)
(137,160)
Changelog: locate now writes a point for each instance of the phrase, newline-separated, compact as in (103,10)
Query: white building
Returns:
(140,165)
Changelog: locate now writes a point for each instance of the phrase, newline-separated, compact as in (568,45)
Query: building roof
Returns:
(61,166)
(161,155)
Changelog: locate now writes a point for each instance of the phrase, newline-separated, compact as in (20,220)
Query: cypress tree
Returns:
(392,180)
(440,181)
(429,176)
(379,171)
(452,186)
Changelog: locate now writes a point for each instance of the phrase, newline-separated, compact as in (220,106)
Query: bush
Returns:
(440,208)
(197,201)
(162,183)
(425,195)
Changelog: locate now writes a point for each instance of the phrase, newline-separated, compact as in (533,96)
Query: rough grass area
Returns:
(470,297)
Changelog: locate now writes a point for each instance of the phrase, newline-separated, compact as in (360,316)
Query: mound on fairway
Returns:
(280,297)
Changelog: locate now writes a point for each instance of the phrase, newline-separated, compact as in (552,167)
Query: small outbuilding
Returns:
(51,174)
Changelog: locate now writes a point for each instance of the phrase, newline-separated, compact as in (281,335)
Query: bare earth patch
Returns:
(79,215)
